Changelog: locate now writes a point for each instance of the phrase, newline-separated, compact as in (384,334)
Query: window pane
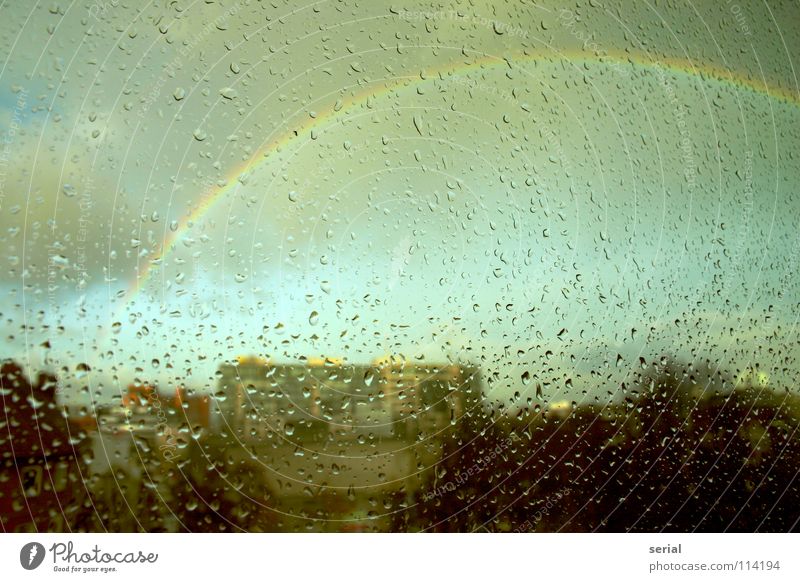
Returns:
(424,267)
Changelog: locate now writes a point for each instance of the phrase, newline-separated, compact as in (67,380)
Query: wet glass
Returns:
(368,267)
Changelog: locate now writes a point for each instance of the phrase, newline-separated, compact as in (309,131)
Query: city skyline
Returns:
(492,266)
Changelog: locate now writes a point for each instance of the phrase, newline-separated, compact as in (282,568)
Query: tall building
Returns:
(331,440)
(42,465)
(326,398)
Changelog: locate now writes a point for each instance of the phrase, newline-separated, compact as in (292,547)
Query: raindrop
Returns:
(228,93)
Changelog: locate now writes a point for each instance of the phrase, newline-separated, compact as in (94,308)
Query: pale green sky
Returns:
(473,215)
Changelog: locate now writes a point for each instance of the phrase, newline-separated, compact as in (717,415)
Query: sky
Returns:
(519,186)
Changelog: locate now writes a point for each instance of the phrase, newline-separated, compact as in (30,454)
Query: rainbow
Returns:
(385,86)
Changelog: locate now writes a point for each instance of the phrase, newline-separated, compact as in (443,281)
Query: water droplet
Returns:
(228,93)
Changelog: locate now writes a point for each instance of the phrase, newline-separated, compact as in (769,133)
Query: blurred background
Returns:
(462,266)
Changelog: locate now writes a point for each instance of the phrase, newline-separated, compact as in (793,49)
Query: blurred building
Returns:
(135,450)
(325,398)
(334,438)
(41,456)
